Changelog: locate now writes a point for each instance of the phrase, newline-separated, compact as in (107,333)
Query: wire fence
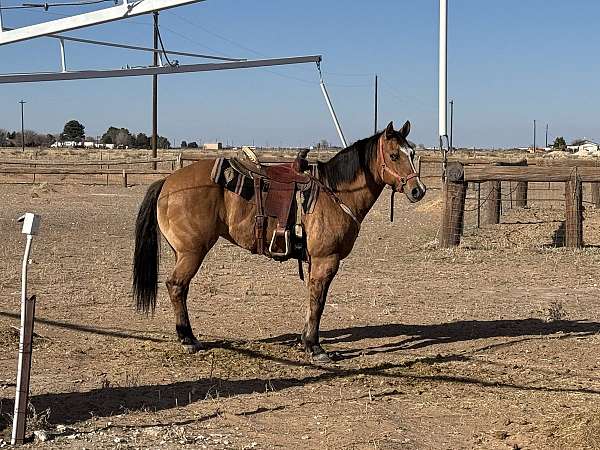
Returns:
(563,213)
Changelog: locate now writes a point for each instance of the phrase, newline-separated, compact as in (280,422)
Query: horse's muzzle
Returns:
(416,192)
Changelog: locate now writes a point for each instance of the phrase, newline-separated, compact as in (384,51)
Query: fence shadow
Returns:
(558,238)
(122,334)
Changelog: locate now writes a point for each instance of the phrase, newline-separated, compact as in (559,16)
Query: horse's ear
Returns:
(405,129)
(389,130)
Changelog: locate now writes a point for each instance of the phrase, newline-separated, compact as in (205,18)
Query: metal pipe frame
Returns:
(333,115)
(63,59)
(97,17)
(165,70)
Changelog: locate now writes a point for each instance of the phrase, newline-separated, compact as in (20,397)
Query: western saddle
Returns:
(277,189)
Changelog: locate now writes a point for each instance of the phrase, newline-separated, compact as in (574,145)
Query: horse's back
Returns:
(189,206)
(194,176)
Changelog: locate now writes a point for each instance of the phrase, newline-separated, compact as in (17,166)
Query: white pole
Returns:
(443,82)
(30,227)
(63,60)
(23,369)
(333,116)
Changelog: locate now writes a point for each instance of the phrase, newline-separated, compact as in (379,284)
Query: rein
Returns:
(336,199)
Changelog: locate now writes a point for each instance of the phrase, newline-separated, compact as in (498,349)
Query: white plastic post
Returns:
(31,223)
(333,116)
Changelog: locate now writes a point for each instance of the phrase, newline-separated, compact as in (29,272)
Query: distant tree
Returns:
(559,144)
(73,131)
(184,144)
(142,141)
(29,138)
(323,143)
(163,142)
(3,137)
(110,135)
(12,135)
(193,144)
(124,138)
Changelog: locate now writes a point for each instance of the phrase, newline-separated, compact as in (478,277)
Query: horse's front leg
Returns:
(322,271)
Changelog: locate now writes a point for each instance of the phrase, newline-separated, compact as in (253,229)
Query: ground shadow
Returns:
(419,336)
(124,334)
(558,238)
(71,407)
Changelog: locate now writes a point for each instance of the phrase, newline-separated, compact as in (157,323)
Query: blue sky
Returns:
(509,62)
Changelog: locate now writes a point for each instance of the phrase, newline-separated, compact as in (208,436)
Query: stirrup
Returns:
(286,238)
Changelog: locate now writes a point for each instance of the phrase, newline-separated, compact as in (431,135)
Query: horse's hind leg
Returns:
(178,284)
(322,271)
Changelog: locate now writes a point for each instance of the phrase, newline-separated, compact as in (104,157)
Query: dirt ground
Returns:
(489,346)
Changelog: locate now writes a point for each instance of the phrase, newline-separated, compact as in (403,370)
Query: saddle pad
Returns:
(225,175)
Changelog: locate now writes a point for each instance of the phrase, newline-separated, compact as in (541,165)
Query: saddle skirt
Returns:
(282,189)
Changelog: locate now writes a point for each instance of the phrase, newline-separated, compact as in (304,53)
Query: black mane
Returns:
(346,165)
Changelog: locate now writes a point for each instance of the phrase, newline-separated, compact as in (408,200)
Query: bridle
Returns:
(384,168)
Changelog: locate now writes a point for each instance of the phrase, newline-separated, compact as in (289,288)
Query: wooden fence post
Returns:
(521,189)
(124,178)
(492,203)
(596,194)
(455,191)
(574,212)
(521,194)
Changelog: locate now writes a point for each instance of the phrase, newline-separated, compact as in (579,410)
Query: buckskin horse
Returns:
(192,212)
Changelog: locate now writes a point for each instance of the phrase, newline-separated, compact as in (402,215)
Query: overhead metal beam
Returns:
(165,70)
(105,15)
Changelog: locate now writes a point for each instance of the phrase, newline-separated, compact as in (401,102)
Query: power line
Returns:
(136,47)
(232,42)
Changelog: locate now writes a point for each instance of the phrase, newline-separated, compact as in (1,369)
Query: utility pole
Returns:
(534,136)
(451,124)
(375,105)
(546,135)
(22,126)
(155,93)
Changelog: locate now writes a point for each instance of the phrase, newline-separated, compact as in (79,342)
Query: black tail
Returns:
(147,251)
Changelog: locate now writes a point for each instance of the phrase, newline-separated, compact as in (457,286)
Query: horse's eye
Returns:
(394,156)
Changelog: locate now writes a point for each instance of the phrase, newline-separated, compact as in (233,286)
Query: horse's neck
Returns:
(361,194)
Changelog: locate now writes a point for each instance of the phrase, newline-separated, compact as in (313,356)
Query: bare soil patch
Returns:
(492,345)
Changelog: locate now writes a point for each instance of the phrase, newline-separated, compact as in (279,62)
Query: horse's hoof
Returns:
(192,348)
(322,358)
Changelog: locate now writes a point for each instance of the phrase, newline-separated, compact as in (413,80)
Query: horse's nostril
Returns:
(416,192)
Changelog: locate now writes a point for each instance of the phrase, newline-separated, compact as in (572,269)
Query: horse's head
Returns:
(396,165)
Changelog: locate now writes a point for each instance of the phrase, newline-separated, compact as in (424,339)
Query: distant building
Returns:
(585,146)
(86,144)
(213,146)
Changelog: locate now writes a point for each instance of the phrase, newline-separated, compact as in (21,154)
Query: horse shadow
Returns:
(424,335)
(72,407)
